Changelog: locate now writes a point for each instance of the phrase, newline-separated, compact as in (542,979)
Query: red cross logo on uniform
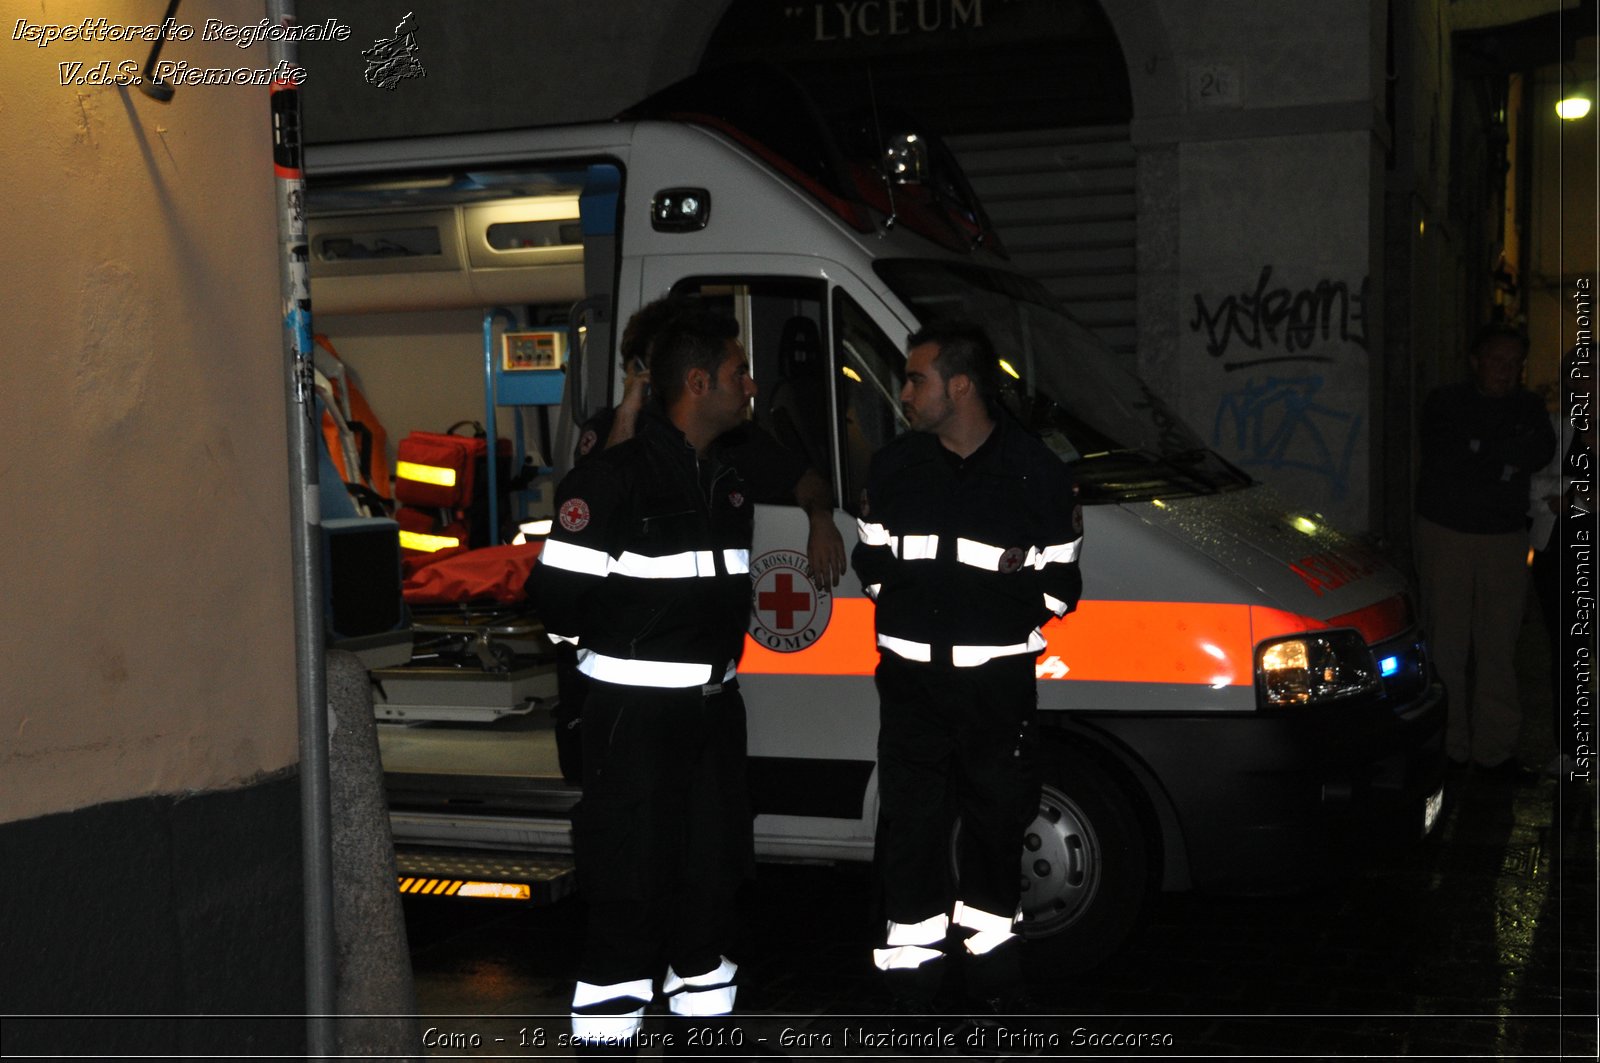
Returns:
(783,601)
(575,515)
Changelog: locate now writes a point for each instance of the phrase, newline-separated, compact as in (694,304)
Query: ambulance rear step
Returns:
(537,878)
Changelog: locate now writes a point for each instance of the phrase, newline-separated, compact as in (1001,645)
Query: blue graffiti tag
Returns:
(1278,424)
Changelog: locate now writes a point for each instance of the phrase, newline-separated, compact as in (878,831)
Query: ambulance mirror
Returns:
(905,158)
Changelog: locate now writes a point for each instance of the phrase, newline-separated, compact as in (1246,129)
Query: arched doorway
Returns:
(1032,95)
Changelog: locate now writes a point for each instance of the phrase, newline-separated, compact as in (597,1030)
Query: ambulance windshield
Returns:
(1083,399)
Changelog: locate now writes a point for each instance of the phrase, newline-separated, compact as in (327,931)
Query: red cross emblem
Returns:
(575,514)
(1012,559)
(791,612)
(783,601)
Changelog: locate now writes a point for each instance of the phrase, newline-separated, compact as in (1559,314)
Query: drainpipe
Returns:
(305,518)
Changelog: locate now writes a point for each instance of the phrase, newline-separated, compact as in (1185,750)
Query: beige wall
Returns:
(147,644)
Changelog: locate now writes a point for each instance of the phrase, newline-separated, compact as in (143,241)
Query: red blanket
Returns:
(492,573)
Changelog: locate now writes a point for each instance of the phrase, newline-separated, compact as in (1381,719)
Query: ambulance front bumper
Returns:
(1275,801)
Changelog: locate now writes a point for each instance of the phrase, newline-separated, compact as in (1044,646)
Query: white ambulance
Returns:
(1242,701)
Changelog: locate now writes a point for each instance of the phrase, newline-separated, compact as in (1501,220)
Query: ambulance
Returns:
(1242,701)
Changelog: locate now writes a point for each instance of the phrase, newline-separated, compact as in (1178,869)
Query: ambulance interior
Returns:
(450,300)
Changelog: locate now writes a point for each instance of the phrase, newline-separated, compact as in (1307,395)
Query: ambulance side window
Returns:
(871,372)
(784,331)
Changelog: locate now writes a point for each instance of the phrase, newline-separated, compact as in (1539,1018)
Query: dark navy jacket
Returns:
(647,563)
(1478,455)
(968,558)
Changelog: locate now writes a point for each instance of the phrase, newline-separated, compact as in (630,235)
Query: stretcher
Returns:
(477,651)
(469,664)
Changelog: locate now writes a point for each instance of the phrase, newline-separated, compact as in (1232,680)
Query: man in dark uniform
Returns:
(647,572)
(969,544)
(776,474)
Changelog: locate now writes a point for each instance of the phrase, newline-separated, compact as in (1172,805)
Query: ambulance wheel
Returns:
(1085,865)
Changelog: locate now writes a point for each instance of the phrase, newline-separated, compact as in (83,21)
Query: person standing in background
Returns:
(1481,442)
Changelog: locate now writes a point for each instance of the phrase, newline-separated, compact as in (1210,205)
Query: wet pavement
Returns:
(1478,943)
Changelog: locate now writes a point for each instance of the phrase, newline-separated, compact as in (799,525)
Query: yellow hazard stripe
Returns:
(444,887)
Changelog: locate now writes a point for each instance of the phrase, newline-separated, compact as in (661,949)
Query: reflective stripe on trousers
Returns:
(702,995)
(991,931)
(910,945)
(609,1013)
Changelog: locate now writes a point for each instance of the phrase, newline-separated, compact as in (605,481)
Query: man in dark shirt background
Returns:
(1481,441)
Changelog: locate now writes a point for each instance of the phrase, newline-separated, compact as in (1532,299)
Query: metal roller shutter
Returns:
(1063,202)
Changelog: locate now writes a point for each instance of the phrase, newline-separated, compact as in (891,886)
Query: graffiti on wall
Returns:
(1300,428)
(1279,324)
(1279,424)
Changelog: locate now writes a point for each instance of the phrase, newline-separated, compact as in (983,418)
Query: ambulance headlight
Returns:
(1315,668)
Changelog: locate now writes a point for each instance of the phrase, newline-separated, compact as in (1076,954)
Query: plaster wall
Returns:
(146,572)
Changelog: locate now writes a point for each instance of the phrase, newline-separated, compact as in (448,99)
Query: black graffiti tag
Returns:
(1291,321)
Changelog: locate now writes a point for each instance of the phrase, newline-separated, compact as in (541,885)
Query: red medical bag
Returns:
(441,482)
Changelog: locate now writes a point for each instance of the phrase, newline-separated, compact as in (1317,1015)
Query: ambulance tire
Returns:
(1086,867)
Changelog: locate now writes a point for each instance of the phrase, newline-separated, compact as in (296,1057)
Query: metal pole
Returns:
(490,428)
(305,518)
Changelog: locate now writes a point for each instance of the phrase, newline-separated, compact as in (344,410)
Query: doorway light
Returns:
(1573,107)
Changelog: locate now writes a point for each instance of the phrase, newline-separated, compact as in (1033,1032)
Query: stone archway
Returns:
(1039,98)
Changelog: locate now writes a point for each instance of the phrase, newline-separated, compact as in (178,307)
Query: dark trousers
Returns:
(955,742)
(663,835)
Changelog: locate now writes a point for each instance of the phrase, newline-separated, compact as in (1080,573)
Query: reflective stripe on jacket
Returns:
(968,558)
(647,563)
